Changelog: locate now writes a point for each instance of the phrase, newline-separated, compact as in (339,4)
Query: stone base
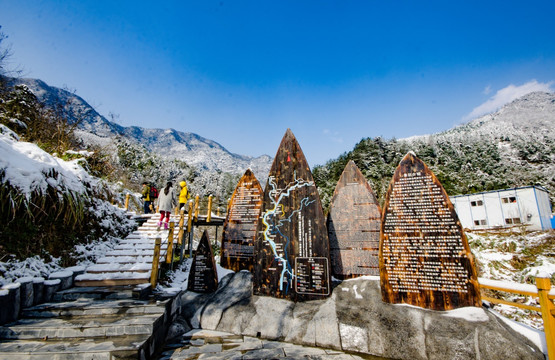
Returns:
(355,319)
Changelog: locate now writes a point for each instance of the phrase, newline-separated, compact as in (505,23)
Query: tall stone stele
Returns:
(240,224)
(203,276)
(425,259)
(354,223)
(292,247)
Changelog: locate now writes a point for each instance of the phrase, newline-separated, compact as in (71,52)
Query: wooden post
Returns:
(169,251)
(190,223)
(155,262)
(181,229)
(548,314)
(209,214)
(197,205)
(127,202)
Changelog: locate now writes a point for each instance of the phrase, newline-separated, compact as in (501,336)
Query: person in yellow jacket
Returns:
(145,195)
(183,195)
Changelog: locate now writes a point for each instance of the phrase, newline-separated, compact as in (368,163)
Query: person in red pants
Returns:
(166,203)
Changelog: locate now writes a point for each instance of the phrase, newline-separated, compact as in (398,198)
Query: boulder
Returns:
(354,318)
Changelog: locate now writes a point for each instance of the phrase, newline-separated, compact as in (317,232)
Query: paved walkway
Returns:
(214,345)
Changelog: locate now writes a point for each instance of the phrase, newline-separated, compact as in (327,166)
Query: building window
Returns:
(509,200)
(480,222)
(512,221)
(477,203)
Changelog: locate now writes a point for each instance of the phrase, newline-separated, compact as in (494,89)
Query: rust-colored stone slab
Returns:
(240,224)
(425,259)
(354,223)
(203,276)
(292,247)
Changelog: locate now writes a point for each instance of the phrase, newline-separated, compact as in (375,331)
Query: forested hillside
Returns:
(512,147)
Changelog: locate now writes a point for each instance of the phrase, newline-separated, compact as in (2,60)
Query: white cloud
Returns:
(507,95)
(333,136)
(487,90)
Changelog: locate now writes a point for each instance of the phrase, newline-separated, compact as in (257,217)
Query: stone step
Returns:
(128,259)
(90,307)
(76,327)
(97,292)
(107,281)
(121,347)
(115,267)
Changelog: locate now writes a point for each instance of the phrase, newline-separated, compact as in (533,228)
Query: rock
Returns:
(26,292)
(13,302)
(38,290)
(4,305)
(237,289)
(50,288)
(65,277)
(354,318)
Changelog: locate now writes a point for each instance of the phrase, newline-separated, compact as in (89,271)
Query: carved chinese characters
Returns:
(203,276)
(292,249)
(240,226)
(425,259)
(354,226)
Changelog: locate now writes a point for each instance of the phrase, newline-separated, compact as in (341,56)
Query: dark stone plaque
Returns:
(240,224)
(292,247)
(203,276)
(354,223)
(425,259)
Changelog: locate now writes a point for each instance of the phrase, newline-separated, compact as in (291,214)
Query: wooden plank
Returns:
(239,232)
(203,276)
(292,246)
(425,259)
(354,223)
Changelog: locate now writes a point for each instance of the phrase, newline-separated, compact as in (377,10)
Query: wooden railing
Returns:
(542,291)
(185,235)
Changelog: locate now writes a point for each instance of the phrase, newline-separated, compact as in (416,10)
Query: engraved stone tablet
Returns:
(240,224)
(203,276)
(292,247)
(354,223)
(425,259)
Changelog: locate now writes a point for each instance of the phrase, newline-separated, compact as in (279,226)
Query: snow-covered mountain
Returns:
(196,151)
(514,146)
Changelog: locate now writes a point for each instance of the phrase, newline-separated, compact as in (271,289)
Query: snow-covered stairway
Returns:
(130,262)
(89,323)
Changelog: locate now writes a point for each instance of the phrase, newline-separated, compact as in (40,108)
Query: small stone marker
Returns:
(425,259)
(354,223)
(240,224)
(292,247)
(203,276)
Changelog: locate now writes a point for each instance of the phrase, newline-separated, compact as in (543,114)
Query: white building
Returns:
(529,205)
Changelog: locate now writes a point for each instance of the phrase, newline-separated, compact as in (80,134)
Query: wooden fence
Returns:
(541,291)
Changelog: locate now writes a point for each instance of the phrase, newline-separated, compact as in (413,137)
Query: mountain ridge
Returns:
(169,143)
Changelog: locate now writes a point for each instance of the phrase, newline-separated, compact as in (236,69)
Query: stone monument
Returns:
(292,246)
(425,259)
(240,224)
(354,223)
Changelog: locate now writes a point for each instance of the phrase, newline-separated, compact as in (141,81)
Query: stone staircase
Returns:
(109,313)
(90,323)
(130,262)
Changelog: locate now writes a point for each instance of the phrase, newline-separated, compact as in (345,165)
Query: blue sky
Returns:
(242,72)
